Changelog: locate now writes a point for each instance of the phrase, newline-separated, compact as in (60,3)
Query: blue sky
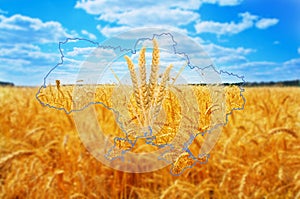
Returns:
(259,39)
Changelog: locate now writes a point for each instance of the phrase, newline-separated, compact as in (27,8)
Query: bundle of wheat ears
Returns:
(148,96)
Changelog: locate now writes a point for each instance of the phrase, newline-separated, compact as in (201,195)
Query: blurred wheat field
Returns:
(257,155)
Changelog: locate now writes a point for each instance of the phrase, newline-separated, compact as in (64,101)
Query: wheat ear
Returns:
(134,81)
(162,87)
(142,69)
(144,88)
(154,70)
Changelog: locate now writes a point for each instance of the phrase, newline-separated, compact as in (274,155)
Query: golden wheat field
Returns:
(256,156)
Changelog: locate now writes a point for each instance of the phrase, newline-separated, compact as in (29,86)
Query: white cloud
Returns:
(230,28)
(138,13)
(133,13)
(89,35)
(224,2)
(293,62)
(216,50)
(151,16)
(250,65)
(25,64)
(24,29)
(28,47)
(17,64)
(226,28)
(299,50)
(26,51)
(266,23)
(108,31)
(29,55)
(77,51)
(3,11)
(101,7)
(267,70)
(224,56)
(235,60)
(7,50)
(291,69)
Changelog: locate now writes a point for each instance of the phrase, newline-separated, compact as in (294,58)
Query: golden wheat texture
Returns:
(257,155)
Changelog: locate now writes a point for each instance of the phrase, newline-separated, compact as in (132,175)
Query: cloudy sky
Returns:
(258,39)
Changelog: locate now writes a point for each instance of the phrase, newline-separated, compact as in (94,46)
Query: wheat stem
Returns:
(115,75)
(14,154)
(180,71)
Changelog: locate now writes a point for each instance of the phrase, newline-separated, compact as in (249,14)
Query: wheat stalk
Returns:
(14,154)
(26,173)
(285,130)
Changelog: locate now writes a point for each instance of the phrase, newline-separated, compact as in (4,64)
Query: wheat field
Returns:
(257,155)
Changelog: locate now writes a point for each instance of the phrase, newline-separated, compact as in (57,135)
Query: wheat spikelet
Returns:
(57,84)
(154,70)
(182,162)
(211,109)
(60,94)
